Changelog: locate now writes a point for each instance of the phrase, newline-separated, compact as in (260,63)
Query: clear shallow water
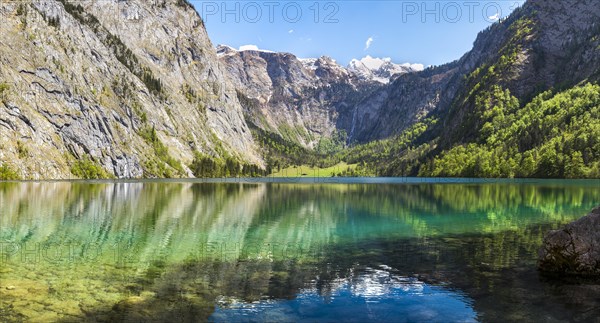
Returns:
(405,251)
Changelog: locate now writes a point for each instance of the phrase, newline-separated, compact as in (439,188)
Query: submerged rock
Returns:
(573,250)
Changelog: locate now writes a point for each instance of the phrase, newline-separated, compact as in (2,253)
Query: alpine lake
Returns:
(278,250)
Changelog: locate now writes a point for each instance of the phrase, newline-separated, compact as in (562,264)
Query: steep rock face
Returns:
(113,82)
(391,109)
(300,99)
(575,249)
(565,45)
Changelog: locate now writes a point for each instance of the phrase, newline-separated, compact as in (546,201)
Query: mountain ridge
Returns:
(87,91)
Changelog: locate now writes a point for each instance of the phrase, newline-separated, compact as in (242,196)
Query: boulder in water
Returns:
(574,249)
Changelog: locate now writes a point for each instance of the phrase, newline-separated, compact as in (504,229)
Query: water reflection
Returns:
(376,295)
(152,250)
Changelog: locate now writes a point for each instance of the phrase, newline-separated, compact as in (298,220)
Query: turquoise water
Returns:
(382,250)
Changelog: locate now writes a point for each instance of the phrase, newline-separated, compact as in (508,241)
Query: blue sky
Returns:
(426,31)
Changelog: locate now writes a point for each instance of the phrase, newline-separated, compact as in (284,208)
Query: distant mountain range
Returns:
(304,100)
(368,68)
(88,91)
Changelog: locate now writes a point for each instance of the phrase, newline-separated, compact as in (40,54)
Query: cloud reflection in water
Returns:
(377,295)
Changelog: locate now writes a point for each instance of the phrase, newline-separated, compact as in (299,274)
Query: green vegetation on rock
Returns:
(204,166)
(556,135)
(8,174)
(4,88)
(160,164)
(86,168)
(333,144)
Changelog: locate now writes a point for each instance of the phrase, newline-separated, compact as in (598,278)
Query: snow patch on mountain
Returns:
(228,50)
(309,63)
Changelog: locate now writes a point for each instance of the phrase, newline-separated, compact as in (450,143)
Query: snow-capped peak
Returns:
(372,63)
(381,69)
(325,68)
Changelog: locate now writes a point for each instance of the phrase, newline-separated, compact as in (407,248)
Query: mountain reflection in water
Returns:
(198,251)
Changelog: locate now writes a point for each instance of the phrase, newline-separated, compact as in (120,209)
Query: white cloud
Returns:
(495,17)
(248,47)
(369,42)
(291,31)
